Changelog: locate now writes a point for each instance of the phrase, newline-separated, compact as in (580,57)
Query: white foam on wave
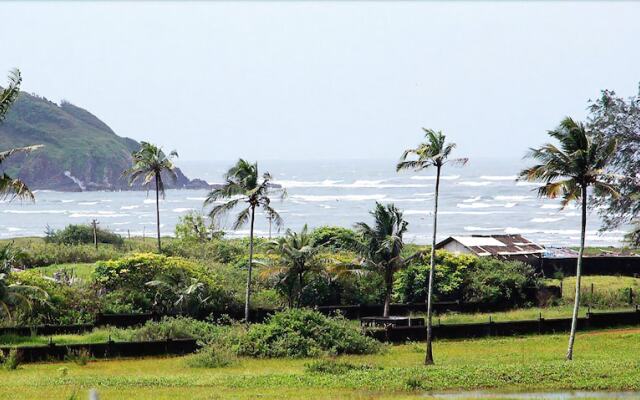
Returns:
(345,197)
(482,229)
(358,184)
(474,183)
(485,205)
(547,219)
(551,206)
(433,177)
(182,209)
(427,212)
(34,211)
(513,198)
(499,177)
(525,183)
(98,214)
(88,203)
(133,207)
(196,198)
(14,229)
(472,199)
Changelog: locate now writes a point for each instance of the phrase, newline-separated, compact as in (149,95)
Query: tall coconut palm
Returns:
(568,171)
(12,187)
(298,256)
(381,246)
(434,153)
(149,163)
(242,186)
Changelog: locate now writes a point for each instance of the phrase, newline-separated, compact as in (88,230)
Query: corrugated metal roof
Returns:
(496,245)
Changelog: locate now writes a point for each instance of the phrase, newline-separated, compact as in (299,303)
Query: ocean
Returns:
(482,197)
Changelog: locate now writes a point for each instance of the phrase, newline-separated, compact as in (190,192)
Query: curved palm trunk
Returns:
(576,304)
(158,212)
(428,360)
(247,298)
(388,280)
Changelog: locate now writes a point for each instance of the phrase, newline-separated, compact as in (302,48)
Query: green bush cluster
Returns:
(484,280)
(82,234)
(304,333)
(179,285)
(334,237)
(335,367)
(212,356)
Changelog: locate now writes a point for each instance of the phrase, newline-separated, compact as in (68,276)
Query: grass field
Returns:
(605,360)
(82,271)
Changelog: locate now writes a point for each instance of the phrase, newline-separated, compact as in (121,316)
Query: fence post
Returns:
(540,322)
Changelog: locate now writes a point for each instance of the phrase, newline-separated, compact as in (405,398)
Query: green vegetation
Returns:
(604,361)
(608,291)
(304,333)
(82,234)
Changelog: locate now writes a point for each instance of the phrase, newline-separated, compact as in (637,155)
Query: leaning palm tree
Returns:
(149,163)
(12,187)
(298,257)
(381,246)
(242,186)
(432,153)
(568,171)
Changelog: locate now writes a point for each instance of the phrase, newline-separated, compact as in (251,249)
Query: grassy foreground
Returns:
(605,360)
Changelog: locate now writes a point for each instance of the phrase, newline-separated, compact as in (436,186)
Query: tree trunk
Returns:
(428,360)
(158,212)
(576,304)
(247,299)
(388,280)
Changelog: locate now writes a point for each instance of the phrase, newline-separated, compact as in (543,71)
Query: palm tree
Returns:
(432,153)
(298,257)
(10,93)
(16,295)
(149,163)
(381,245)
(242,186)
(568,171)
(12,187)
(179,292)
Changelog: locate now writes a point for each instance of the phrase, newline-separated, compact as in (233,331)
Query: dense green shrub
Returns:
(152,282)
(411,283)
(195,227)
(82,234)
(176,328)
(64,304)
(12,360)
(334,237)
(335,367)
(304,333)
(499,283)
(212,356)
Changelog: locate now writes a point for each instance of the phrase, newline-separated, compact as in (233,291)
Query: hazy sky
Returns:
(300,80)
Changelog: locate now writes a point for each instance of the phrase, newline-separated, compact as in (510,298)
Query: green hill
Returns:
(81,152)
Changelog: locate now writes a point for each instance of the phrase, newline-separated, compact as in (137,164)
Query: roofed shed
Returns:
(506,247)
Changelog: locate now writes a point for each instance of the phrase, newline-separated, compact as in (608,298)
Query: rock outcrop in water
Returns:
(81,152)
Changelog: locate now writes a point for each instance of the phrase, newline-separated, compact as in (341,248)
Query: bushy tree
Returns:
(614,118)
